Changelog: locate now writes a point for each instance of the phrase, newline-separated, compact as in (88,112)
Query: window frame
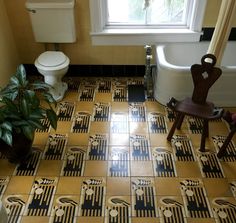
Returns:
(134,35)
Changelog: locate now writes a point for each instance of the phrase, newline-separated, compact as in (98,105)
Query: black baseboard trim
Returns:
(97,70)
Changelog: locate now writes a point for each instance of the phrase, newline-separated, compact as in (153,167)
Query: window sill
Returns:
(143,36)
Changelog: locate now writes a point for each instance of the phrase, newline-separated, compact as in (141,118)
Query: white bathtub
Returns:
(173,77)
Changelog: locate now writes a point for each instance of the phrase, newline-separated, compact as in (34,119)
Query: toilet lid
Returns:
(52,58)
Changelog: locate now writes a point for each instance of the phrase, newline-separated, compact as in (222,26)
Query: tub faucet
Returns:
(148,83)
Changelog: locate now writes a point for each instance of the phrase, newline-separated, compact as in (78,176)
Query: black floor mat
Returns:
(136,93)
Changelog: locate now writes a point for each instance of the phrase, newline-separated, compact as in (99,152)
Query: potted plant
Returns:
(22,107)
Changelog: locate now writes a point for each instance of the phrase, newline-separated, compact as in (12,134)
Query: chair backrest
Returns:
(204,76)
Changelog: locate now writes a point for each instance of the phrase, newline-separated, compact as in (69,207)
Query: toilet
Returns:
(53,22)
(53,65)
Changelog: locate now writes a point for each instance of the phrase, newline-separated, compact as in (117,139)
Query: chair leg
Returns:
(172,130)
(180,121)
(204,135)
(207,129)
(222,150)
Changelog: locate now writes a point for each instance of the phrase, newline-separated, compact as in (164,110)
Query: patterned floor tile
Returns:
(74,161)
(101,112)
(41,197)
(195,201)
(65,209)
(163,162)
(140,147)
(92,200)
(15,206)
(230,155)
(118,209)
(143,197)
(98,147)
(109,161)
(65,111)
(224,209)
(209,165)
(137,112)
(183,148)
(81,122)
(171,209)
(157,123)
(29,168)
(55,147)
(3,185)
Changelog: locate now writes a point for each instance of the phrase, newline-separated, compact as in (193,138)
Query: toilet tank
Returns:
(53,21)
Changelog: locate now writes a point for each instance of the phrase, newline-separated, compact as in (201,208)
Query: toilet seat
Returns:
(52,60)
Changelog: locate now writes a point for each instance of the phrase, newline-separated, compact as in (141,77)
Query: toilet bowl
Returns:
(53,65)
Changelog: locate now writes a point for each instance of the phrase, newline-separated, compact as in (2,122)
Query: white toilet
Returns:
(53,22)
(53,65)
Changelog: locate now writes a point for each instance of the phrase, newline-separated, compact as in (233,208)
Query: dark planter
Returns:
(20,151)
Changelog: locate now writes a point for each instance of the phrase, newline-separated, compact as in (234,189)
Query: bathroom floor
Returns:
(109,161)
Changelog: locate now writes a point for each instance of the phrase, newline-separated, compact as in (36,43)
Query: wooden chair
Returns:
(204,76)
(230,118)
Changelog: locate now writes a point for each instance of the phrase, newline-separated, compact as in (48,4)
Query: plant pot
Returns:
(20,150)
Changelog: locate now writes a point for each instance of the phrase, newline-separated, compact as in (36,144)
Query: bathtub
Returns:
(173,77)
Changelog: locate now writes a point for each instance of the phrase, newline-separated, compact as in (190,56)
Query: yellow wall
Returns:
(82,52)
(211,14)
(8,53)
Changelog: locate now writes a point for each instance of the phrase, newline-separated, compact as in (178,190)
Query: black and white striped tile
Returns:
(163,161)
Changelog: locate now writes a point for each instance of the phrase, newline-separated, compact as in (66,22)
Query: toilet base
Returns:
(59,91)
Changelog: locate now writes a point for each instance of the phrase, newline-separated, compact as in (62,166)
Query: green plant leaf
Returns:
(10,93)
(21,74)
(49,98)
(7,126)
(2,117)
(28,131)
(7,137)
(14,116)
(30,95)
(10,105)
(24,107)
(32,98)
(36,114)
(14,81)
(20,123)
(39,85)
(36,124)
(52,117)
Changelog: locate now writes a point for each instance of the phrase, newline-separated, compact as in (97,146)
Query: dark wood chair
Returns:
(230,118)
(204,76)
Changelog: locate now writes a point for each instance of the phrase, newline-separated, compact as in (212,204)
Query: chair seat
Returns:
(188,107)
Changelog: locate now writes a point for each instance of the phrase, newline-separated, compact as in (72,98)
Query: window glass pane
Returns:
(167,11)
(126,11)
(143,12)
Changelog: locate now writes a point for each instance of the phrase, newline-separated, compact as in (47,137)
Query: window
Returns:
(139,22)
(156,13)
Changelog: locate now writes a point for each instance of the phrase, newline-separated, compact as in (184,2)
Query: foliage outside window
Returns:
(147,12)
